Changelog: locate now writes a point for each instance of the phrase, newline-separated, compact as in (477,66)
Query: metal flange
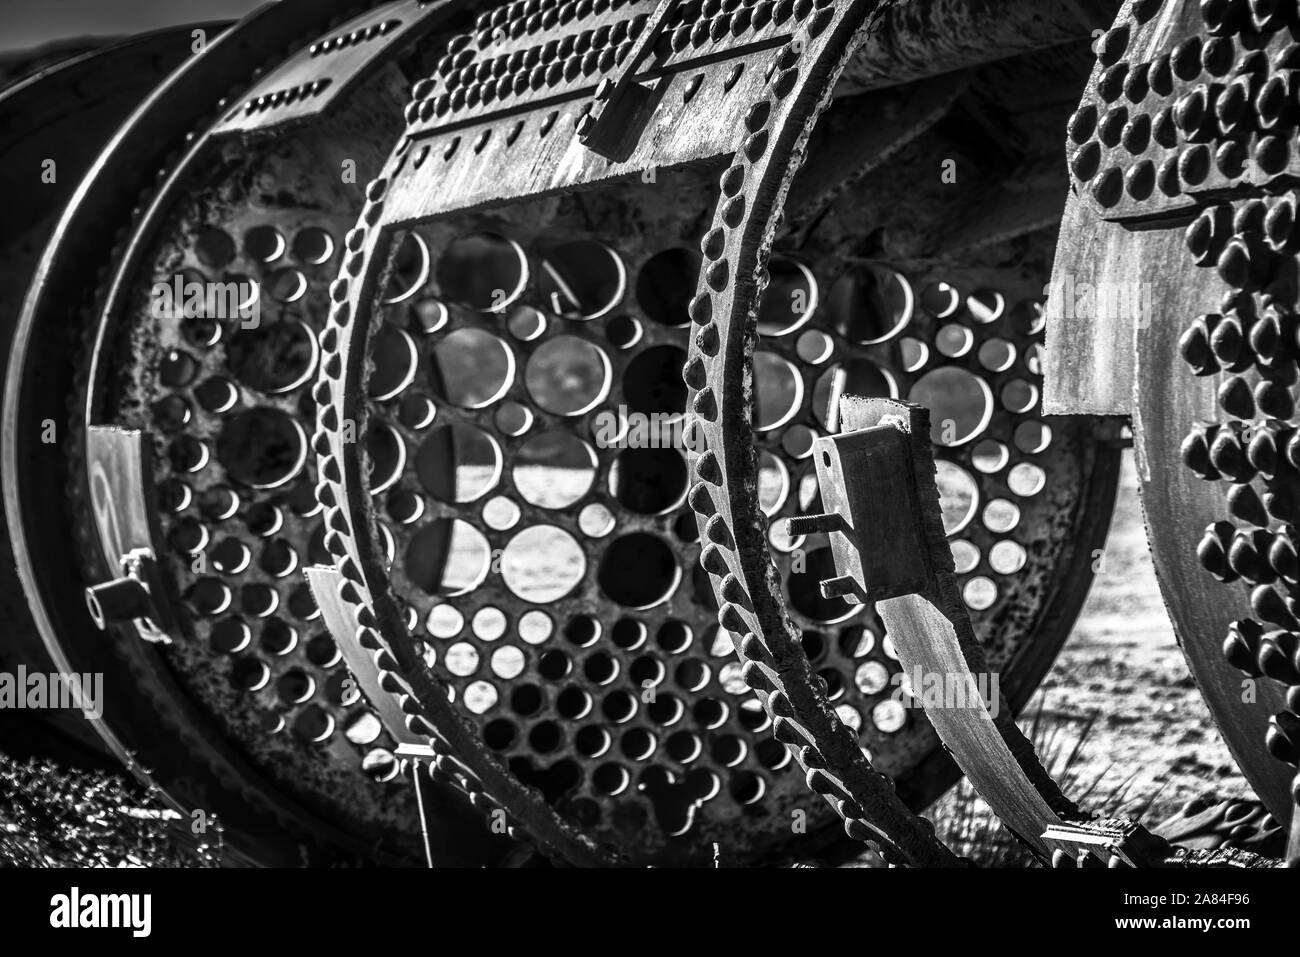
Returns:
(468,193)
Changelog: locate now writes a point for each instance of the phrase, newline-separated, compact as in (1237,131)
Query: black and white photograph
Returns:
(763,436)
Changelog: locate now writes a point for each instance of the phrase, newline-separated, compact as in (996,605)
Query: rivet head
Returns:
(1109,187)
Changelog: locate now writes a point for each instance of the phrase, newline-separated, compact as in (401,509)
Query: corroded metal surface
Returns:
(283,802)
(612,764)
(877,481)
(1185,132)
(555,443)
(65,110)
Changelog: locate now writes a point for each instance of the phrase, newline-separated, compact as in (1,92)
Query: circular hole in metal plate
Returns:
(1001,515)
(513,419)
(889,716)
(395,358)
(652,381)
(623,332)
(797,441)
(489,623)
(649,481)
(814,347)
(960,404)
(471,368)
(1026,479)
(410,271)
(980,593)
(1033,437)
(989,456)
(313,245)
(286,285)
(501,514)
(508,662)
(535,626)
(568,376)
(386,452)
(215,248)
(595,520)
(1007,557)
(1019,396)
(275,357)
(429,315)
(483,271)
(965,556)
(445,622)
(581,279)
(855,376)
(525,323)
(954,340)
(805,591)
(773,483)
(480,697)
(638,570)
(958,496)
(265,244)
(461,659)
(554,470)
(542,564)
(1028,317)
(476,457)
(448,557)
(871,303)
(997,355)
(666,284)
(872,677)
(778,391)
(940,299)
(789,300)
(262,447)
(986,305)
(914,354)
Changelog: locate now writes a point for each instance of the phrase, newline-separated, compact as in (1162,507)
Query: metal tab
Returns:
(623,106)
(121,492)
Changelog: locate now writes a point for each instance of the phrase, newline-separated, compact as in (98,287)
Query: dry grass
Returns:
(968,825)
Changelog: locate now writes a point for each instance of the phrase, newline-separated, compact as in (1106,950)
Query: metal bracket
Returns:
(131,598)
(887,538)
(868,486)
(622,106)
(1108,843)
(120,474)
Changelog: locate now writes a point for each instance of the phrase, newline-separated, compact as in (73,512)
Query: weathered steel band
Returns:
(738,555)
(929,622)
(1192,104)
(195,761)
(65,112)
(221,396)
(470,161)
(401,196)
(878,480)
